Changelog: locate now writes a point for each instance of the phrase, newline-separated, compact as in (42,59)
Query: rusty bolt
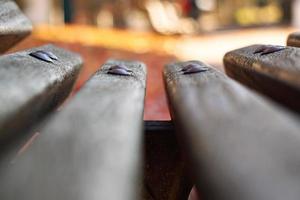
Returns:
(119,70)
(267,49)
(193,68)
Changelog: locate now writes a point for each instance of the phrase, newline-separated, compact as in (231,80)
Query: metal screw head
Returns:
(120,66)
(119,70)
(268,49)
(51,55)
(44,56)
(41,56)
(193,68)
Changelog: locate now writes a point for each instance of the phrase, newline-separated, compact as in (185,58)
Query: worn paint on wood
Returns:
(14,25)
(240,145)
(276,75)
(92,149)
(30,88)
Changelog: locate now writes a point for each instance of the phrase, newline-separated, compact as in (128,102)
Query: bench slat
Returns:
(165,171)
(240,145)
(294,40)
(276,75)
(92,149)
(30,88)
(14,25)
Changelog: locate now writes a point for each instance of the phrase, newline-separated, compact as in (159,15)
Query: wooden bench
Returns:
(232,139)
(14,26)
(234,143)
(90,150)
(271,70)
(31,87)
(238,144)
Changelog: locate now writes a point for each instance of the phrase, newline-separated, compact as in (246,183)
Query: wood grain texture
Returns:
(294,39)
(165,170)
(276,75)
(14,25)
(240,146)
(91,150)
(30,88)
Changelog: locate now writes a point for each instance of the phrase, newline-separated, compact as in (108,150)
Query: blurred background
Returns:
(157,32)
(166,17)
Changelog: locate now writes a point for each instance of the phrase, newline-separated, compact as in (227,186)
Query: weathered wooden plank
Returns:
(276,74)
(294,39)
(14,26)
(166,172)
(240,145)
(92,149)
(30,88)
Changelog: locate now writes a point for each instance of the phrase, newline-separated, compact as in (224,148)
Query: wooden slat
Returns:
(294,40)
(240,146)
(30,88)
(166,172)
(91,150)
(14,26)
(276,75)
